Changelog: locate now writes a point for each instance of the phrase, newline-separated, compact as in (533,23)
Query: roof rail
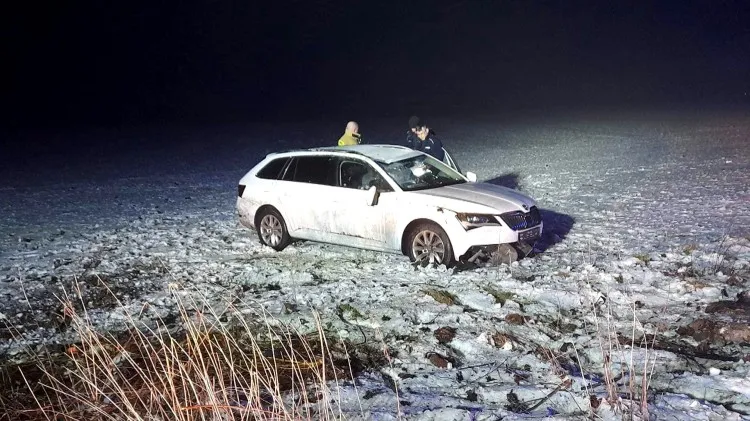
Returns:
(288,150)
(344,150)
(388,145)
(337,149)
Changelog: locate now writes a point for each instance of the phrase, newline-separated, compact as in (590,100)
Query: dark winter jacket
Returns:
(431,145)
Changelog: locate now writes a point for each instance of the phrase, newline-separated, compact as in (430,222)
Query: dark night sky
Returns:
(75,63)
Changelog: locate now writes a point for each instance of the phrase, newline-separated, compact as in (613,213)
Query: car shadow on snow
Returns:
(556,225)
(556,228)
(509,180)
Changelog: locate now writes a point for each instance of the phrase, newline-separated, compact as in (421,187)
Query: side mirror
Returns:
(471,176)
(372,196)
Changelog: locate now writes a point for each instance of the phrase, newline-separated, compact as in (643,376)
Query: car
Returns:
(383,197)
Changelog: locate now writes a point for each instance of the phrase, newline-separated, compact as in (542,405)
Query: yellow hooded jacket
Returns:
(350,138)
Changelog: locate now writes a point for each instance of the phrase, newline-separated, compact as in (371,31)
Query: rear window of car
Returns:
(313,169)
(272,170)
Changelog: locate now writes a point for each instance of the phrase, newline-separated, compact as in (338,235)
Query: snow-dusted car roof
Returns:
(381,153)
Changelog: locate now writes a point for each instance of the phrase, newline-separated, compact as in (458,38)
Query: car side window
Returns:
(359,175)
(350,174)
(273,169)
(313,169)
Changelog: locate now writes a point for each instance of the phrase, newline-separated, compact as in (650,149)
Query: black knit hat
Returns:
(414,122)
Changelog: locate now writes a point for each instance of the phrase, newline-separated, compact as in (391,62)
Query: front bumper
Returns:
(462,240)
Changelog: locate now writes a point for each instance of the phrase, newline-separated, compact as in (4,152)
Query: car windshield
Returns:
(421,172)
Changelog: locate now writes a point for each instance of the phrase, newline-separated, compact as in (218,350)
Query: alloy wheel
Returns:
(271,230)
(428,248)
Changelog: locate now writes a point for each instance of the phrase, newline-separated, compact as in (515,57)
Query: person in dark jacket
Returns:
(423,139)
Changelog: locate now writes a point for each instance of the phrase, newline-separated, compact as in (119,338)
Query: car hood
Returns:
(478,197)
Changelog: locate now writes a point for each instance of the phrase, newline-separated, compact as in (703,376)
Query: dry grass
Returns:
(626,383)
(500,296)
(442,296)
(195,369)
(689,249)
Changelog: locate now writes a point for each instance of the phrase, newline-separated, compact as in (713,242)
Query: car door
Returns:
(448,160)
(308,195)
(364,225)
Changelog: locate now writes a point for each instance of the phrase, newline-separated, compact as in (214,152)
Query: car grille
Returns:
(518,220)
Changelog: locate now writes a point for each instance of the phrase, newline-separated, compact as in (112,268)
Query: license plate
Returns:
(529,235)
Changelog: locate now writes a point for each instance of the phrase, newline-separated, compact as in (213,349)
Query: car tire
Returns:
(271,227)
(428,244)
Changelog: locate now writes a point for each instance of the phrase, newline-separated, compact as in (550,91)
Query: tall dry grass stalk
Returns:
(195,369)
(628,398)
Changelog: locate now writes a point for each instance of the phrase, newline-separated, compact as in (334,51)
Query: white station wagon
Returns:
(382,197)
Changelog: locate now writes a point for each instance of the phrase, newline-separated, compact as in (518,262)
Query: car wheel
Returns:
(272,230)
(429,245)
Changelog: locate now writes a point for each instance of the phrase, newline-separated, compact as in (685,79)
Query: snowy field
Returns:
(647,222)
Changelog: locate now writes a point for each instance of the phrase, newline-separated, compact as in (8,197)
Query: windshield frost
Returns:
(421,172)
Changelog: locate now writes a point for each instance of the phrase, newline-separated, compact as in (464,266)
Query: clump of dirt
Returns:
(445,334)
(515,319)
(728,322)
(501,340)
(738,310)
(716,331)
(442,361)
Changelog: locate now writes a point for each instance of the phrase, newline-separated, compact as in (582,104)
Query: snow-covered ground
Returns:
(647,224)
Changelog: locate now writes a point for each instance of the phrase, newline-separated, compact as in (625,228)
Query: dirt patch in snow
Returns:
(727,322)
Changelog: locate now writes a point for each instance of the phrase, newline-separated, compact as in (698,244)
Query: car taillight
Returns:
(240,190)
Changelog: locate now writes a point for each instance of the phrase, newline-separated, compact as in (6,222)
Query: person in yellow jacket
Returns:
(351,135)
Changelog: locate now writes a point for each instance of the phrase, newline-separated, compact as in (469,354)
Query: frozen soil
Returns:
(643,267)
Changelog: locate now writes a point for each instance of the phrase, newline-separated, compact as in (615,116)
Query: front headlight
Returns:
(476,220)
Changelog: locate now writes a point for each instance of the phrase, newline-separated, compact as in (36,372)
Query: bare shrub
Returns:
(626,382)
